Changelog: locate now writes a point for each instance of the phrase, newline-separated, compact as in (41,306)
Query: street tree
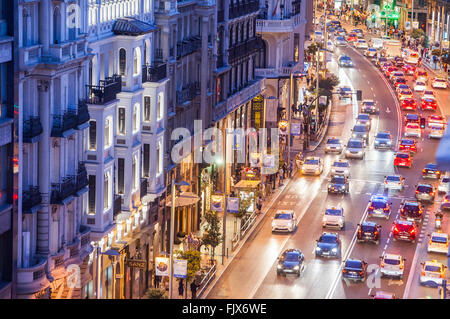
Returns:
(212,235)
(193,262)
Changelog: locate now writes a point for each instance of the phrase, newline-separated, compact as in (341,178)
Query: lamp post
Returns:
(172,226)
(113,255)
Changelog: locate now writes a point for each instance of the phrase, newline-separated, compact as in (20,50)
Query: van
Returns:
(376,43)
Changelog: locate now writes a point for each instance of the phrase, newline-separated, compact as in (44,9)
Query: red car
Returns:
(404,230)
(403,159)
(437,120)
(399,81)
(408,144)
(409,69)
(409,104)
(390,69)
(428,104)
(352,37)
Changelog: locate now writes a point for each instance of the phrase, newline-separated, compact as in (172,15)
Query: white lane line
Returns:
(385,246)
(389,239)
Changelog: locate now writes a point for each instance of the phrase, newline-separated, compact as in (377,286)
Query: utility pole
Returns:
(412,15)
(224,226)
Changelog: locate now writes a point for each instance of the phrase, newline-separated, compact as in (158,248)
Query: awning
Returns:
(184,199)
(247,184)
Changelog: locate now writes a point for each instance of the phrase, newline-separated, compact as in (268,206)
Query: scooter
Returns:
(438,220)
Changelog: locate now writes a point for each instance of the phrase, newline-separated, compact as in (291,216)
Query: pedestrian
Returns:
(180,289)
(259,204)
(194,290)
(157,281)
(291,167)
(281,174)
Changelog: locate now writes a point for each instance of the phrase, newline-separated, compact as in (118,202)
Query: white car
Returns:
(439,83)
(284,220)
(392,265)
(312,166)
(333,217)
(444,185)
(413,129)
(340,167)
(364,119)
(419,86)
(436,131)
(330,46)
(438,243)
(361,44)
(334,145)
(428,94)
(370,52)
(355,148)
(432,271)
(318,35)
(340,41)
(394,182)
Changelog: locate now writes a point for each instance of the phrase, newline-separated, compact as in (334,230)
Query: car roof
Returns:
(439,234)
(330,234)
(433,263)
(412,203)
(312,158)
(335,207)
(425,184)
(340,160)
(431,165)
(392,256)
(412,116)
(393,175)
(378,198)
(404,222)
(366,223)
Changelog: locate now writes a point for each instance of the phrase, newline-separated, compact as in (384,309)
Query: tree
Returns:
(425,42)
(417,33)
(155,293)
(212,236)
(193,258)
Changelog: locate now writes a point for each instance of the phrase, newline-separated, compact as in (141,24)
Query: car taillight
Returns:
(361,272)
(382,265)
(417,192)
(442,276)
(424,171)
(432,193)
(371,207)
(395,229)
(386,208)
(401,266)
(412,231)
(344,270)
(423,273)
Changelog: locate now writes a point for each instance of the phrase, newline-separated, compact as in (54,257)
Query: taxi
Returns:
(425,192)
(444,184)
(433,272)
(352,37)
(434,120)
(392,265)
(333,217)
(439,83)
(419,86)
(404,94)
(361,44)
(370,52)
(445,205)
(428,94)
(413,129)
(333,145)
(431,171)
(398,81)
(421,74)
(436,131)
(409,69)
(428,104)
(412,118)
(396,74)
(403,159)
(389,70)
(401,87)
(312,166)
(408,144)
(340,167)
(438,243)
(381,60)
(369,106)
(409,104)
(364,119)
(394,182)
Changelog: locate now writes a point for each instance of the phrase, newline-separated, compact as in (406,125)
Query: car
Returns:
(412,58)
(436,131)
(389,70)
(408,104)
(334,145)
(361,44)
(340,41)
(364,119)
(401,87)
(408,144)
(439,83)
(381,60)
(403,159)
(370,52)
(419,86)
(404,94)
(432,274)
(333,217)
(345,60)
(312,166)
(361,131)
(318,36)
(394,182)
(344,92)
(425,192)
(412,118)
(421,74)
(383,140)
(392,265)
(409,69)
(398,81)
(438,243)
(328,245)
(330,46)
(428,94)
(284,221)
(428,104)
(396,74)
(404,230)
(431,171)
(444,184)
(355,148)
(411,211)
(338,184)
(445,205)
(398,62)
(368,232)
(354,269)
(436,120)
(369,106)
(340,167)
(291,261)
(384,295)
(413,129)
(379,206)
(352,37)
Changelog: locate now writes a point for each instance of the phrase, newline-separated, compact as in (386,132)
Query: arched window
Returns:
(122,62)
(160,107)
(56,26)
(108,132)
(136,117)
(106,191)
(137,61)
(134,173)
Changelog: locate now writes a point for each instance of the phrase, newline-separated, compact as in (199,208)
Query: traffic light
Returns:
(358,95)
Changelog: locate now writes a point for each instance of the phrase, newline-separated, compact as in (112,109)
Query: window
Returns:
(137,61)
(146,160)
(122,61)
(147,108)
(136,118)
(92,135)
(91,208)
(134,174)
(160,107)
(121,120)
(106,192)
(26,19)
(56,26)
(108,135)
(121,175)
(159,159)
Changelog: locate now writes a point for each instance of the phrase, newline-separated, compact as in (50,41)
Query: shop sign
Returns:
(269,161)
(254,159)
(136,263)
(295,129)
(217,203)
(282,127)
(233,205)
(162,266)
(180,268)
(415,24)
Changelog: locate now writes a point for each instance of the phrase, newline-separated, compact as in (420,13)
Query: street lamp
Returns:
(113,256)
(172,226)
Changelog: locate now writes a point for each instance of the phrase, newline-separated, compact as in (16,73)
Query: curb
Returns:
(324,132)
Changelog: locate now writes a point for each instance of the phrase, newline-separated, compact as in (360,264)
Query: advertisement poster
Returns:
(217,203)
(233,205)
(162,266)
(295,129)
(180,268)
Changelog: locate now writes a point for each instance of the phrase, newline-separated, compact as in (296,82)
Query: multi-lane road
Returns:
(252,273)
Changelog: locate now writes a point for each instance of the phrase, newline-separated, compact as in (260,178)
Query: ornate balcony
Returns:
(82,177)
(32,279)
(62,191)
(64,123)
(144,187)
(188,92)
(154,73)
(117,205)
(244,49)
(31,199)
(32,129)
(188,46)
(83,113)
(106,91)
(85,237)
(243,8)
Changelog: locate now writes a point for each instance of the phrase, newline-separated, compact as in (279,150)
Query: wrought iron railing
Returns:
(242,8)
(32,197)
(154,73)
(31,128)
(82,176)
(188,92)
(245,48)
(83,112)
(63,123)
(106,91)
(63,190)
(188,46)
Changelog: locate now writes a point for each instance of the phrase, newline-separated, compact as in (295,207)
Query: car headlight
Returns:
(343,187)
(318,249)
(317,171)
(377,142)
(353,135)
(359,152)
(297,267)
(273,224)
(279,266)
(389,142)
(365,135)
(324,220)
(334,250)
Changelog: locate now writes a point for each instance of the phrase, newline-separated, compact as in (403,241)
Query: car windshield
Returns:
(437,128)
(340,38)
(291,256)
(439,80)
(412,117)
(432,268)
(368,103)
(328,239)
(282,216)
(384,135)
(363,117)
(439,239)
(340,164)
(353,264)
(393,178)
(355,144)
(345,58)
(407,142)
(391,261)
(372,50)
(424,189)
(311,162)
(445,180)
(378,204)
(359,128)
(420,83)
(428,93)
(365,228)
(333,212)
(405,92)
(338,180)
(333,141)
(431,167)
(413,126)
(402,155)
(404,227)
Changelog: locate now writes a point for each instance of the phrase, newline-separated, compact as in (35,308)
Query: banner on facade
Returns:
(282,127)
(136,263)
(180,268)
(295,129)
(254,159)
(269,161)
(162,266)
(323,100)
(233,205)
(217,203)
(415,24)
